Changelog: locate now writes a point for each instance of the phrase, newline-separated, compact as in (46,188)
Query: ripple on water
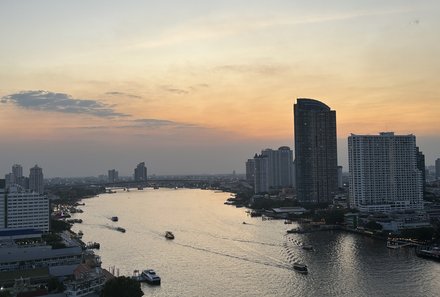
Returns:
(214,254)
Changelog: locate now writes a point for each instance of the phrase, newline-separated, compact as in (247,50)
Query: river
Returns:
(215,254)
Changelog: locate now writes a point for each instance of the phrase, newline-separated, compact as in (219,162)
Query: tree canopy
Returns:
(122,287)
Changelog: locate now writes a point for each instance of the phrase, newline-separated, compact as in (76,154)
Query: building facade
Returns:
(420,159)
(383,173)
(17,172)
(22,209)
(261,177)
(250,170)
(113,175)
(280,168)
(36,180)
(316,159)
(437,169)
(140,172)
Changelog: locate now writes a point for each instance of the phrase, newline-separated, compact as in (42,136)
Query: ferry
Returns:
(150,276)
(301,268)
(169,235)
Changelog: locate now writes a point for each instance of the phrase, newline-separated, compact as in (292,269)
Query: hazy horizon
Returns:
(192,87)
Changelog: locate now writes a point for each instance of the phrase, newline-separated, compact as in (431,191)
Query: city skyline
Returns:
(197,87)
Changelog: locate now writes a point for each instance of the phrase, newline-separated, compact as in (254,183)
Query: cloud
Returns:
(144,123)
(60,102)
(207,28)
(175,90)
(116,93)
(262,69)
(163,123)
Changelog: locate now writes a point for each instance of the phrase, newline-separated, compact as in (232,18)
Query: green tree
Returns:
(4,293)
(54,285)
(122,287)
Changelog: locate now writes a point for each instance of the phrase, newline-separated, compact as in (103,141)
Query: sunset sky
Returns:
(200,86)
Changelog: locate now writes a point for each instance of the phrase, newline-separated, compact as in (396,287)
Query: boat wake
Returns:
(281,265)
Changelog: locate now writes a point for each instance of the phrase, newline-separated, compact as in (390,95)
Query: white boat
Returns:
(301,268)
(169,235)
(150,276)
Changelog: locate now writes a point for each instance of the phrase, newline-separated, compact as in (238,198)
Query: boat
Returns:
(307,247)
(301,268)
(114,219)
(120,229)
(169,235)
(150,276)
(391,244)
(432,253)
(93,245)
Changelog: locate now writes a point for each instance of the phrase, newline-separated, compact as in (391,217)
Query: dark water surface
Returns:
(215,254)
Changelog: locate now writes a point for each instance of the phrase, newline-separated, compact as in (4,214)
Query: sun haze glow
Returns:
(200,86)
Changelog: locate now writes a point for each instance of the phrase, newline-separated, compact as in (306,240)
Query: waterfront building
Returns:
(250,171)
(383,173)
(437,169)
(315,151)
(36,180)
(420,159)
(113,176)
(280,164)
(140,172)
(22,209)
(261,178)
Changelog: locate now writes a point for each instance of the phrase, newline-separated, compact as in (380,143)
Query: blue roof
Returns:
(15,232)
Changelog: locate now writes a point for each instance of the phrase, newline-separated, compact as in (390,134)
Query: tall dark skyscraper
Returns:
(140,172)
(316,155)
(420,157)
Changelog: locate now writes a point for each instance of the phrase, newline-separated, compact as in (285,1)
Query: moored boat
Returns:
(169,235)
(301,268)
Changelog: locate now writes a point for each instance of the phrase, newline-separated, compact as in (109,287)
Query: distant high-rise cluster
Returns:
(272,169)
(35,181)
(316,159)
(140,172)
(383,173)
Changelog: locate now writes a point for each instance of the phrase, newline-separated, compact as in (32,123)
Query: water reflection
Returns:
(215,254)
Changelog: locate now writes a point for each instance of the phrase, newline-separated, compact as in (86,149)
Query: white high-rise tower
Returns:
(383,173)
